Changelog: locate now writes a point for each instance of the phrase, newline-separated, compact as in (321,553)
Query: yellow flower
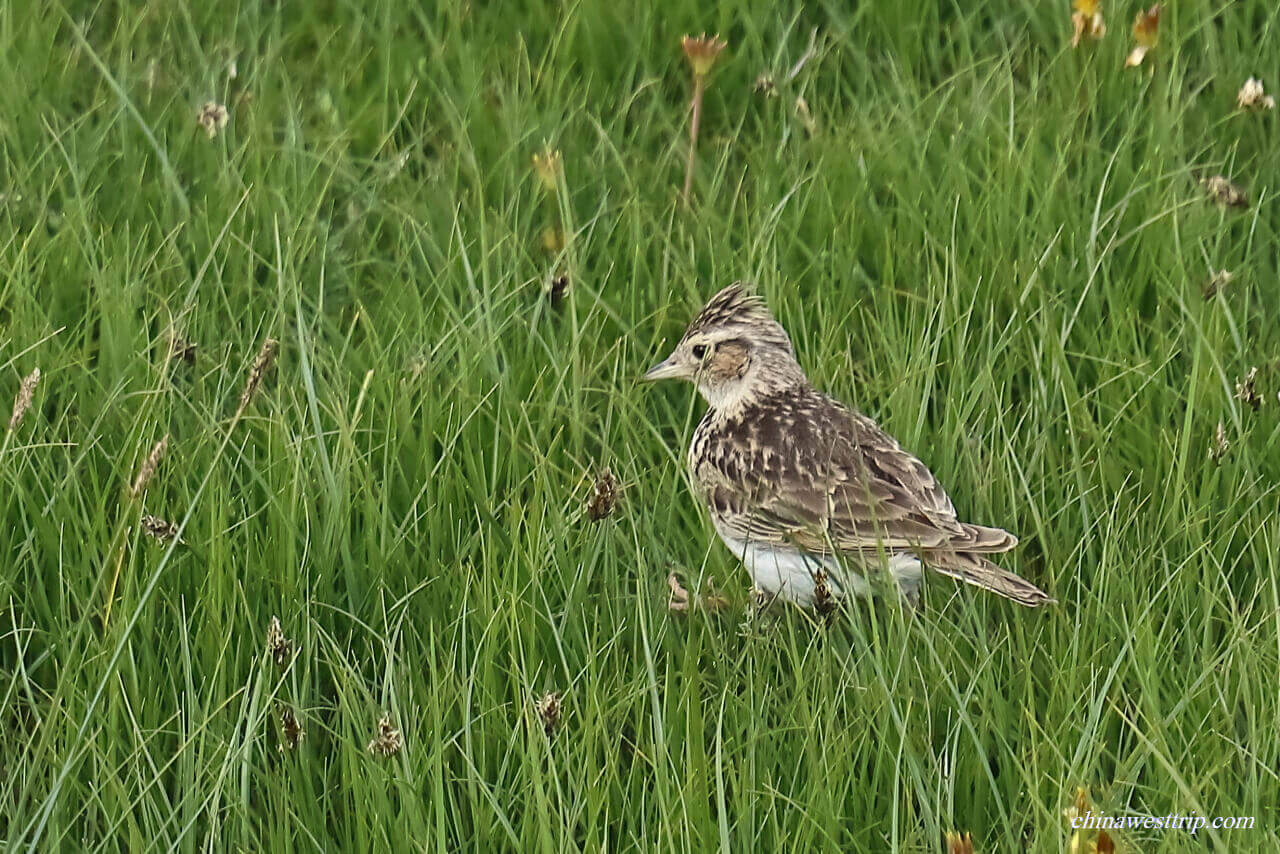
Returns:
(553,240)
(548,166)
(1146,32)
(1087,20)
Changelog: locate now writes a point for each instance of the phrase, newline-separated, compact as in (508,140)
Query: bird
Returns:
(812,495)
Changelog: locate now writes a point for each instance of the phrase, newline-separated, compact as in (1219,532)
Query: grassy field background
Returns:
(990,242)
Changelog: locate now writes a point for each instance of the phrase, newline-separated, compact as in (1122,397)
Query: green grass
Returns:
(993,244)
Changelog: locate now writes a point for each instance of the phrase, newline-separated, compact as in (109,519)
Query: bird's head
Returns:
(732,350)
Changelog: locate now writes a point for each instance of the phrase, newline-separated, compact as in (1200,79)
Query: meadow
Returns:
(994,243)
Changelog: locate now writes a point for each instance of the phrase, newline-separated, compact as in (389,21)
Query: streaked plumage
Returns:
(805,490)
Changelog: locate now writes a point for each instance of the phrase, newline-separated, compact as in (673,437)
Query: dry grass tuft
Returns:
(149,466)
(279,648)
(604,497)
(387,741)
(550,709)
(22,402)
(261,364)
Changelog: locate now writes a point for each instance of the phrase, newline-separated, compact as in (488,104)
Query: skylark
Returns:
(811,495)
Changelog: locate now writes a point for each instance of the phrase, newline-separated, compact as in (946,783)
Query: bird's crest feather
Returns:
(736,304)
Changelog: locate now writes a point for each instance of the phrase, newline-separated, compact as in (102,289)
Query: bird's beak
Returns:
(664,370)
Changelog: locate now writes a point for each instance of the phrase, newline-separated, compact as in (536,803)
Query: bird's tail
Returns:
(977,570)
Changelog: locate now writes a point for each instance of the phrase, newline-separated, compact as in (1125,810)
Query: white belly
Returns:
(792,574)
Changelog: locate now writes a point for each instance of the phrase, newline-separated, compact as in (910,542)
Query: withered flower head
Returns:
(702,51)
(149,466)
(387,741)
(1223,192)
(604,497)
(279,648)
(1247,390)
(181,348)
(1146,26)
(1146,32)
(159,529)
(261,364)
(1220,445)
(22,401)
(558,288)
(1252,97)
(548,165)
(824,598)
(959,843)
(679,599)
(212,116)
(1086,21)
(549,708)
(1217,283)
(764,85)
(291,731)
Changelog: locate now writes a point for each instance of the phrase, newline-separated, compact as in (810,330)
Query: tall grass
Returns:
(990,242)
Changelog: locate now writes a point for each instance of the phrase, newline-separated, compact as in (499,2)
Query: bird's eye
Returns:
(699,350)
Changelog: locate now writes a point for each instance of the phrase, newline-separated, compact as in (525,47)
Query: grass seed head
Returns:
(1223,192)
(1217,283)
(558,288)
(291,731)
(22,401)
(549,708)
(1220,445)
(1252,97)
(825,601)
(1247,390)
(764,85)
(387,741)
(266,357)
(149,466)
(702,52)
(180,349)
(279,648)
(213,117)
(158,529)
(604,497)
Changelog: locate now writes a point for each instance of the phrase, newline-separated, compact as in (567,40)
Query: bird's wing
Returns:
(820,476)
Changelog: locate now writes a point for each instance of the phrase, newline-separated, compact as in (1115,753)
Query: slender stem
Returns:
(694,121)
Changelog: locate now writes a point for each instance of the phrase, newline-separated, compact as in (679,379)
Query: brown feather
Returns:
(980,572)
(778,463)
(800,469)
